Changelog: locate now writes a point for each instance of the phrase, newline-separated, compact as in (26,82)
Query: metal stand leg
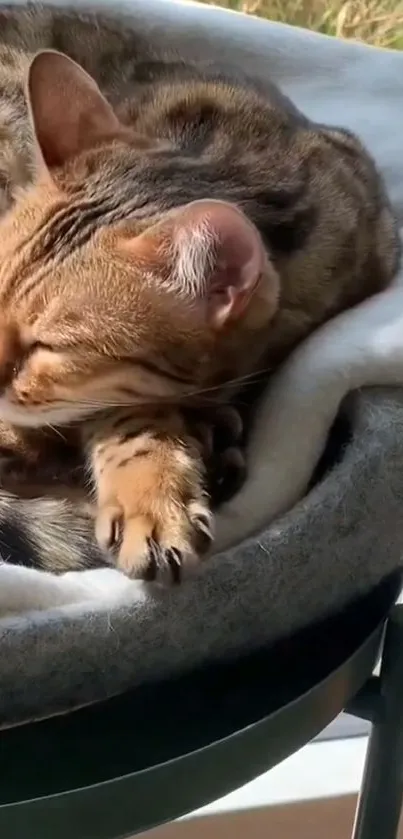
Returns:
(381,794)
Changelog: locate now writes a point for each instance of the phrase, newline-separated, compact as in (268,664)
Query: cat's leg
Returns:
(18,447)
(36,462)
(153,512)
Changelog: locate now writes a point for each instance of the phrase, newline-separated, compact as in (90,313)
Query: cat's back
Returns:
(97,42)
(197,106)
(120,59)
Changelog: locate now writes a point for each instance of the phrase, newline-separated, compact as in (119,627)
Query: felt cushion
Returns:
(340,540)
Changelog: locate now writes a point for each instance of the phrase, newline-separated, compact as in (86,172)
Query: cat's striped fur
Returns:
(119,291)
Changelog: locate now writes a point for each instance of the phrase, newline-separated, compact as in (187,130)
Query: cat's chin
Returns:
(16,415)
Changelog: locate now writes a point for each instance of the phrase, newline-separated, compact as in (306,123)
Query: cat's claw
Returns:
(108,528)
(164,564)
(163,551)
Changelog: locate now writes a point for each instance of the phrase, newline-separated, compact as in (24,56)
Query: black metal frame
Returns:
(117,768)
(381,702)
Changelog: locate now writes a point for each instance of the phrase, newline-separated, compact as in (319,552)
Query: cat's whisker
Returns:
(249,379)
(162,400)
(154,402)
(56,431)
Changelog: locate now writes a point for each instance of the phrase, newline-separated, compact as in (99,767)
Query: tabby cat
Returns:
(169,229)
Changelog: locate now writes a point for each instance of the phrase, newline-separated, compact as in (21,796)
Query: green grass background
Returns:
(378,22)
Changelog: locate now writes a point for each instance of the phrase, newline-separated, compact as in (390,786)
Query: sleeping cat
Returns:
(169,230)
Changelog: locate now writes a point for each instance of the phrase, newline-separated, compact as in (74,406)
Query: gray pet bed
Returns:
(338,543)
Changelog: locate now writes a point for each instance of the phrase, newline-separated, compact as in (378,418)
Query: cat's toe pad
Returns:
(156,548)
(220,435)
(227,473)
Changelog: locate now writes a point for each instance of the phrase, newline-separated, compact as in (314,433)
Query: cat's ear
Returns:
(208,250)
(67,109)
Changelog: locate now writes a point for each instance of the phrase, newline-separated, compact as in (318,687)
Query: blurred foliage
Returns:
(378,22)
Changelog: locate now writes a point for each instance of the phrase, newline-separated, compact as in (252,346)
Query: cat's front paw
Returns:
(219,431)
(153,535)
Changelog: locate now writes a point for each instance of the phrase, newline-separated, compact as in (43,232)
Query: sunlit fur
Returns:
(107,294)
(95,327)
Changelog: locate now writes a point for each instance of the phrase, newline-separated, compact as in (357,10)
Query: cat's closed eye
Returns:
(39,345)
(26,353)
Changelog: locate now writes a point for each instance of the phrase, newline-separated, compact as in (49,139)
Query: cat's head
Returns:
(98,308)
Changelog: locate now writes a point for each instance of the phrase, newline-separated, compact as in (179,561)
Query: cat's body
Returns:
(358,348)
(127,286)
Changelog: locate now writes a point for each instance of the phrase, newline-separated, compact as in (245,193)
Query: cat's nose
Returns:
(10,352)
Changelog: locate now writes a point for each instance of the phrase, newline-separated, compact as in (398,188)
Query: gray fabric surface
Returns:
(337,543)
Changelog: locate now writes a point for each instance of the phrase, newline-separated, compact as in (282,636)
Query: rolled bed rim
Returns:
(135,800)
